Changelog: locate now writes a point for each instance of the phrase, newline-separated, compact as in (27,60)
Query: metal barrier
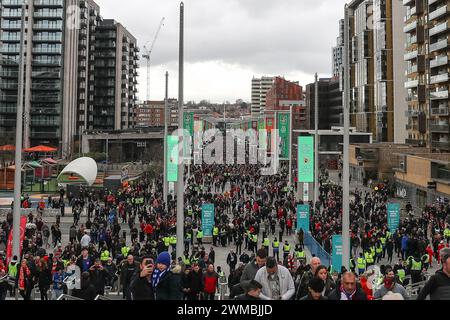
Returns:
(316,249)
(100,297)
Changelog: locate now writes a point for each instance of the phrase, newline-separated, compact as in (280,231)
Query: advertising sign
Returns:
(207,219)
(172,158)
(336,258)
(393,214)
(306,159)
(303,217)
(283,125)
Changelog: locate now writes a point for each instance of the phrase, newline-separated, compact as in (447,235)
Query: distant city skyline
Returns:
(229,42)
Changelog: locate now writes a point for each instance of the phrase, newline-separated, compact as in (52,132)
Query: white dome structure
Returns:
(85,168)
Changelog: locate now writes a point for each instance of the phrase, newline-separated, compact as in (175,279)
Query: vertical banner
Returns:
(207,219)
(305,192)
(188,125)
(9,247)
(270,125)
(393,215)
(336,257)
(303,211)
(188,122)
(172,158)
(283,125)
(262,136)
(306,159)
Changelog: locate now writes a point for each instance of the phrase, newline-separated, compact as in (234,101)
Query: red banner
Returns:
(9,248)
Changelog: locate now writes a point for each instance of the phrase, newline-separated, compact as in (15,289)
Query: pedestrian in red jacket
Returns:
(210,282)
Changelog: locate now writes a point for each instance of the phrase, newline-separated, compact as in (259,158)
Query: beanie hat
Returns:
(164,258)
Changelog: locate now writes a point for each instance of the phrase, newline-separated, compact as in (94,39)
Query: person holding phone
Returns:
(141,287)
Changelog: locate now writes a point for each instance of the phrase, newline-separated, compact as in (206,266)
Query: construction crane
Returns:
(147,55)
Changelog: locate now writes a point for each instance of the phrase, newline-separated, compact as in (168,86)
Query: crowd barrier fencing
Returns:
(316,249)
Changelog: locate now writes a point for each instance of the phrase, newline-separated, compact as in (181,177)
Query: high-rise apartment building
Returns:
(426,28)
(260,87)
(376,45)
(116,64)
(61,71)
(338,52)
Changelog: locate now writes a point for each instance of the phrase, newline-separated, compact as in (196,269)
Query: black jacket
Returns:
(141,288)
(98,279)
(44,278)
(194,282)
(87,292)
(170,286)
(438,287)
(359,295)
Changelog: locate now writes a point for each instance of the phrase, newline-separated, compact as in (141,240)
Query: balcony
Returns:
(438,61)
(441,145)
(407,2)
(437,13)
(444,174)
(438,29)
(439,111)
(49,3)
(416,142)
(410,27)
(439,78)
(441,44)
(411,55)
(411,84)
(412,113)
(437,95)
(440,128)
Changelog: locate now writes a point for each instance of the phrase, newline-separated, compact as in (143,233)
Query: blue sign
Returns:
(303,217)
(207,219)
(393,216)
(336,257)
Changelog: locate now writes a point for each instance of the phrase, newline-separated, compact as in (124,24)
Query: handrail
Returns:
(100,297)
(67,297)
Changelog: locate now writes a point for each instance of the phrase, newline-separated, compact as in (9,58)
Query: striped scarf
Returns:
(156,277)
(24,272)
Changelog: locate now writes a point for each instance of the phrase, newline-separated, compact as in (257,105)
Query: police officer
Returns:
(276,249)
(415,269)
(361,264)
(166,240)
(266,244)
(200,237)
(254,242)
(104,256)
(369,259)
(300,254)
(173,243)
(286,249)
(215,235)
(400,272)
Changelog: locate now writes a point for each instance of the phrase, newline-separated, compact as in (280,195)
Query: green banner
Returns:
(283,125)
(306,159)
(262,137)
(172,158)
(188,122)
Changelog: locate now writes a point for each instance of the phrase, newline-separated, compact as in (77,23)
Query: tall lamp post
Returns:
(180,184)
(166,119)
(19,136)
(346,162)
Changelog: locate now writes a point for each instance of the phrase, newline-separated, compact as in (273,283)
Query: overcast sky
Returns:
(227,42)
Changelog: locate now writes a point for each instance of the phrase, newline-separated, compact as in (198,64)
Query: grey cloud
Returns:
(266,35)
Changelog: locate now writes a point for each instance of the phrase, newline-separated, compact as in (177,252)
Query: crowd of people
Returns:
(255,220)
